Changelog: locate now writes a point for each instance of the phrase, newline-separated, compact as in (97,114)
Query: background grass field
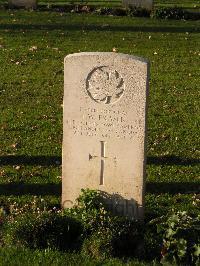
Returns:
(32,48)
(188,4)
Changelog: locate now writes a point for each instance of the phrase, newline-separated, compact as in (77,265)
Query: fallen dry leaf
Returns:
(33,48)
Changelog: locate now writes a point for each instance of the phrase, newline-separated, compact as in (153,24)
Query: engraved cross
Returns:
(102,157)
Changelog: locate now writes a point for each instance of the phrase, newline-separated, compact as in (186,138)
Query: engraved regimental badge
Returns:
(105,85)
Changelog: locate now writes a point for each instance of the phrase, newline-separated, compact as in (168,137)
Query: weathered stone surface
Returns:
(146,4)
(105,129)
(23,3)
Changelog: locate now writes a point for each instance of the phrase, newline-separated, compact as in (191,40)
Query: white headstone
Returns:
(105,129)
(146,4)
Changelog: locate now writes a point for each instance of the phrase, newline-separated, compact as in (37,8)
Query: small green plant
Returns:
(98,246)
(106,235)
(181,238)
(169,13)
(90,199)
(174,13)
(131,11)
(103,11)
(90,210)
(121,238)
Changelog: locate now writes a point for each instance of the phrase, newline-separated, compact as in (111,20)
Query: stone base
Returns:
(23,3)
(146,4)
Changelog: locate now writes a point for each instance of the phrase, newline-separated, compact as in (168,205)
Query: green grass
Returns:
(32,48)
(194,4)
(27,257)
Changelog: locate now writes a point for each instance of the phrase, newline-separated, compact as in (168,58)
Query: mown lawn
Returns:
(32,48)
(194,4)
(18,257)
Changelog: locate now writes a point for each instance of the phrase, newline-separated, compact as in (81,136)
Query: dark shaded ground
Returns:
(20,188)
(112,28)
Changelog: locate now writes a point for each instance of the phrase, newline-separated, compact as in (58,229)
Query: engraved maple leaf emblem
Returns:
(105,85)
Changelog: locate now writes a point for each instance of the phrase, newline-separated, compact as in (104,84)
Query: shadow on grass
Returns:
(30,160)
(55,189)
(172,160)
(57,160)
(17,189)
(80,27)
(173,188)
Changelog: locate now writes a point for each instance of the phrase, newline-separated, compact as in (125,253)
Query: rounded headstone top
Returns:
(108,54)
